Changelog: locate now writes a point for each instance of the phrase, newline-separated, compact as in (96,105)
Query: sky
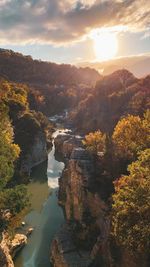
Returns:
(61,30)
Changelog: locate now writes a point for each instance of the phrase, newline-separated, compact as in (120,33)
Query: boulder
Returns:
(18,242)
(9,248)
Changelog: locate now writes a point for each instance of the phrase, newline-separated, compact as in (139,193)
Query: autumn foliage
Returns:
(131,135)
(95,142)
(131,208)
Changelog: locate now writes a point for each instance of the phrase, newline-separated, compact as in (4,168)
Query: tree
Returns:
(14,203)
(95,142)
(131,206)
(14,199)
(131,135)
(9,151)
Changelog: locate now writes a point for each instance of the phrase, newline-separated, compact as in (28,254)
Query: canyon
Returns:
(85,235)
(71,188)
(84,240)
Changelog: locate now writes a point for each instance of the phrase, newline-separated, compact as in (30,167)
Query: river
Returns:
(45,216)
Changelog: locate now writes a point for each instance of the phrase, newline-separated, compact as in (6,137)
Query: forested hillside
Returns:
(104,189)
(105,185)
(13,199)
(121,179)
(114,96)
(21,68)
(19,128)
(49,82)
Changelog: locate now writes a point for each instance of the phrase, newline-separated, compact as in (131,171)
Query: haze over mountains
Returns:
(53,87)
(138,65)
(20,68)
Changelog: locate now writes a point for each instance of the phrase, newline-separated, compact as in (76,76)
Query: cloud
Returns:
(63,21)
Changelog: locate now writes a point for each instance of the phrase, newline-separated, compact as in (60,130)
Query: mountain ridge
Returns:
(138,65)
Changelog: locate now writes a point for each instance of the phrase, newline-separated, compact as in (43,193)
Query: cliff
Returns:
(65,253)
(113,97)
(35,155)
(85,240)
(64,144)
(85,237)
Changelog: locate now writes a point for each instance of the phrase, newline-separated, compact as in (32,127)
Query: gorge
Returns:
(46,216)
(99,215)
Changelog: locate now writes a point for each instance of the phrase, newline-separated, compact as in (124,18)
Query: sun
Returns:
(105,45)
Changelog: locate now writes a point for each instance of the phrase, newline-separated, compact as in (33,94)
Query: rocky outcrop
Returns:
(64,145)
(5,257)
(18,242)
(36,155)
(86,213)
(9,248)
(85,240)
(79,177)
(59,142)
(65,253)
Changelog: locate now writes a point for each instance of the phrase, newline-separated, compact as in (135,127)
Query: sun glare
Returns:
(105,45)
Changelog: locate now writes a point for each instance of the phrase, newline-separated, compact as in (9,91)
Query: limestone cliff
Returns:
(85,239)
(64,144)
(86,214)
(36,154)
(65,253)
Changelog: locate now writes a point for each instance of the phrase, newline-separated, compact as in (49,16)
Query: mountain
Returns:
(114,96)
(53,87)
(21,68)
(138,65)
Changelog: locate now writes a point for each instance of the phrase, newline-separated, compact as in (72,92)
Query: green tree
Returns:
(9,151)
(14,199)
(131,206)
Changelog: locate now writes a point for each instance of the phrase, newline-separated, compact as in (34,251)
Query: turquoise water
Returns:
(46,216)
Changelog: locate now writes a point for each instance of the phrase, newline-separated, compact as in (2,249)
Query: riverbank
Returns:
(46,216)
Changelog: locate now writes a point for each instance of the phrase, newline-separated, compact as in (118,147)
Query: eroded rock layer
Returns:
(84,241)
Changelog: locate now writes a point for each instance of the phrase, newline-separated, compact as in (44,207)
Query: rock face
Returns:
(17,243)
(37,154)
(5,257)
(59,142)
(85,241)
(79,174)
(65,253)
(9,248)
(86,213)
(64,144)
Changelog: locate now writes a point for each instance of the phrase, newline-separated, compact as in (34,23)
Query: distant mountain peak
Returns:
(138,65)
(123,74)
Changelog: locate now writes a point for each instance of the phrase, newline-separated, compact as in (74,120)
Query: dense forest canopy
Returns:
(114,96)
(114,113)
(122,179)
(49,83)
(131,208)
(21,68)
(18,128)
(13,199)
